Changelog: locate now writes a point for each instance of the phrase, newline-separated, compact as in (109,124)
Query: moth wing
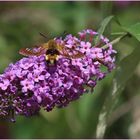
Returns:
(78,54)
(31,52)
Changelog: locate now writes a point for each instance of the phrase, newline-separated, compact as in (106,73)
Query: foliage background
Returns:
(20,24)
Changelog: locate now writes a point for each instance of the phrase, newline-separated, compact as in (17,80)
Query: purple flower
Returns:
(4,84)
(85,47)
(27,85)
(37,76)
(25,63)
(96,53)
(30,84)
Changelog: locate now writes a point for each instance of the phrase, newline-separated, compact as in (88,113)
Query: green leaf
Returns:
(134,30)
(123,72)
(102,28)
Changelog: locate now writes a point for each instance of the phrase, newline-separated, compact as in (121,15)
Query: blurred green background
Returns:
(20,25)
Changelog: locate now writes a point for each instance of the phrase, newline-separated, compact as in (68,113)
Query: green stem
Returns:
(117,40)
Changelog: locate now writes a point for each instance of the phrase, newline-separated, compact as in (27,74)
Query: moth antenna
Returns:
(43,35)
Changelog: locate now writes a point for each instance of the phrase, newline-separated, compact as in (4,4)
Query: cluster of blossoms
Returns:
(30,84)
